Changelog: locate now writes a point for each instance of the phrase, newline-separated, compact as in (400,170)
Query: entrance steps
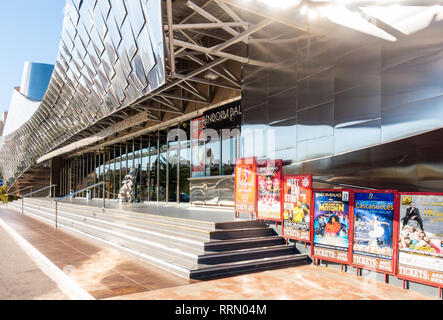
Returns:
(189,248)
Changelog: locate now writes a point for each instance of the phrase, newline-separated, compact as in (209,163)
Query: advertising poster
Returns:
(245,185)
(373,243)
(269,174)
(197,148)
(420,256)
(297,207)
(331,225)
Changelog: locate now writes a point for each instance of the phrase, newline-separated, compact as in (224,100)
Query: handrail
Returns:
(37,191)
(77,192)
(73,194)
(11,193)
(33,192)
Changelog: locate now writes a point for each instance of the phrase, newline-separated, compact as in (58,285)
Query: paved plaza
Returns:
(107,273)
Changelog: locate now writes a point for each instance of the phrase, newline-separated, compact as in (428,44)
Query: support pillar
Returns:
(55,177)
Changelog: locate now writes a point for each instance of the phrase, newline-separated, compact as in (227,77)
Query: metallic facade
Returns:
(350,108)
(111,54)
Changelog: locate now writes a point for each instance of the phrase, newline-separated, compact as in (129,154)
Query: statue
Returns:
(126,193)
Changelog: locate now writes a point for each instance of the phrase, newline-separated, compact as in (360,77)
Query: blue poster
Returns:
(331,220)
(373,225)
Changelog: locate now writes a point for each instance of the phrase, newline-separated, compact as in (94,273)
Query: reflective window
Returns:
(173,160)
(185,163)
(162,165)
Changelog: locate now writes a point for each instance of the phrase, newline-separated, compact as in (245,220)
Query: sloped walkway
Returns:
(101,270)
(20,277)
(107,273)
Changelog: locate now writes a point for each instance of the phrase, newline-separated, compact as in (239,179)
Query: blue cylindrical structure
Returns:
(35,80)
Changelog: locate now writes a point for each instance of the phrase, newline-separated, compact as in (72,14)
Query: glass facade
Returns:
(159,164)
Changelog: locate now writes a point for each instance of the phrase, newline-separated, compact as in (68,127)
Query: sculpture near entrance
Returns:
(127,193)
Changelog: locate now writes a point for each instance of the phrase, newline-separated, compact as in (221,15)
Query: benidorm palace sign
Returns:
(225,116)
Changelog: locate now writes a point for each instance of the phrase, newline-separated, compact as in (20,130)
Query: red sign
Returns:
(245,185)
(297,207)
(270,187)
(197,147)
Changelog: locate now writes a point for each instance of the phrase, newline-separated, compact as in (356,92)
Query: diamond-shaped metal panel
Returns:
(111,54)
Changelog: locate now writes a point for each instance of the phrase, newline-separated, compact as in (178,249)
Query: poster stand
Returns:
(372,260)
(416,270)
(295,189)
(245,186)
(329,254)
(269,182)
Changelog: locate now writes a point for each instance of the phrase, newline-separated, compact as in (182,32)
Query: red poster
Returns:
(197,147)
(297,207)
(245,185)
(270,189)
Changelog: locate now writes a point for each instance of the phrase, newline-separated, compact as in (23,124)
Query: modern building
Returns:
(26,98)
(350,92)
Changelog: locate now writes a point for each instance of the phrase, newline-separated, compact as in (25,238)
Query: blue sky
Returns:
(29,30)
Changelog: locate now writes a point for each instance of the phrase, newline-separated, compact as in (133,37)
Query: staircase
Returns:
(189,248)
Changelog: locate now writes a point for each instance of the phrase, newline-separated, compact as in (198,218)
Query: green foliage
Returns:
(3,197)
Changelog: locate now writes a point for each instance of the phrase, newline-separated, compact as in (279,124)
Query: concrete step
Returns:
(205,272)
(118,213)
(243,243)
(192,229)
(223,234)
(211,258)
(128,223)
(172,238)
(232,247)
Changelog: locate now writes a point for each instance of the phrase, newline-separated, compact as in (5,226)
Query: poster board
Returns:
(297,196)
(332,224)
(374,236)
(270,189)
(420,238)
(245,185)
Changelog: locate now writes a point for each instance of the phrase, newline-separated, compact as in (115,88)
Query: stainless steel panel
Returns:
(368,112)
(315,122)
(212,190)
(109,56)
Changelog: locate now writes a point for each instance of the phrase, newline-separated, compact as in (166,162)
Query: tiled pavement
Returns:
(107,273)
(295,283)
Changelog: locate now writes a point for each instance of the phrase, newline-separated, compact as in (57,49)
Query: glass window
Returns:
(213,152)
(145,167)
(153,150)
(173,146)
(162,164)
(185,163)
(230,139)
(197,148)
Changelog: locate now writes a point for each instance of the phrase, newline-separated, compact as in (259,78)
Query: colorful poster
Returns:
(269,174)
(245,185)
(331,225)
(297,207)
(197,148)
(373,245)
(420,255)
